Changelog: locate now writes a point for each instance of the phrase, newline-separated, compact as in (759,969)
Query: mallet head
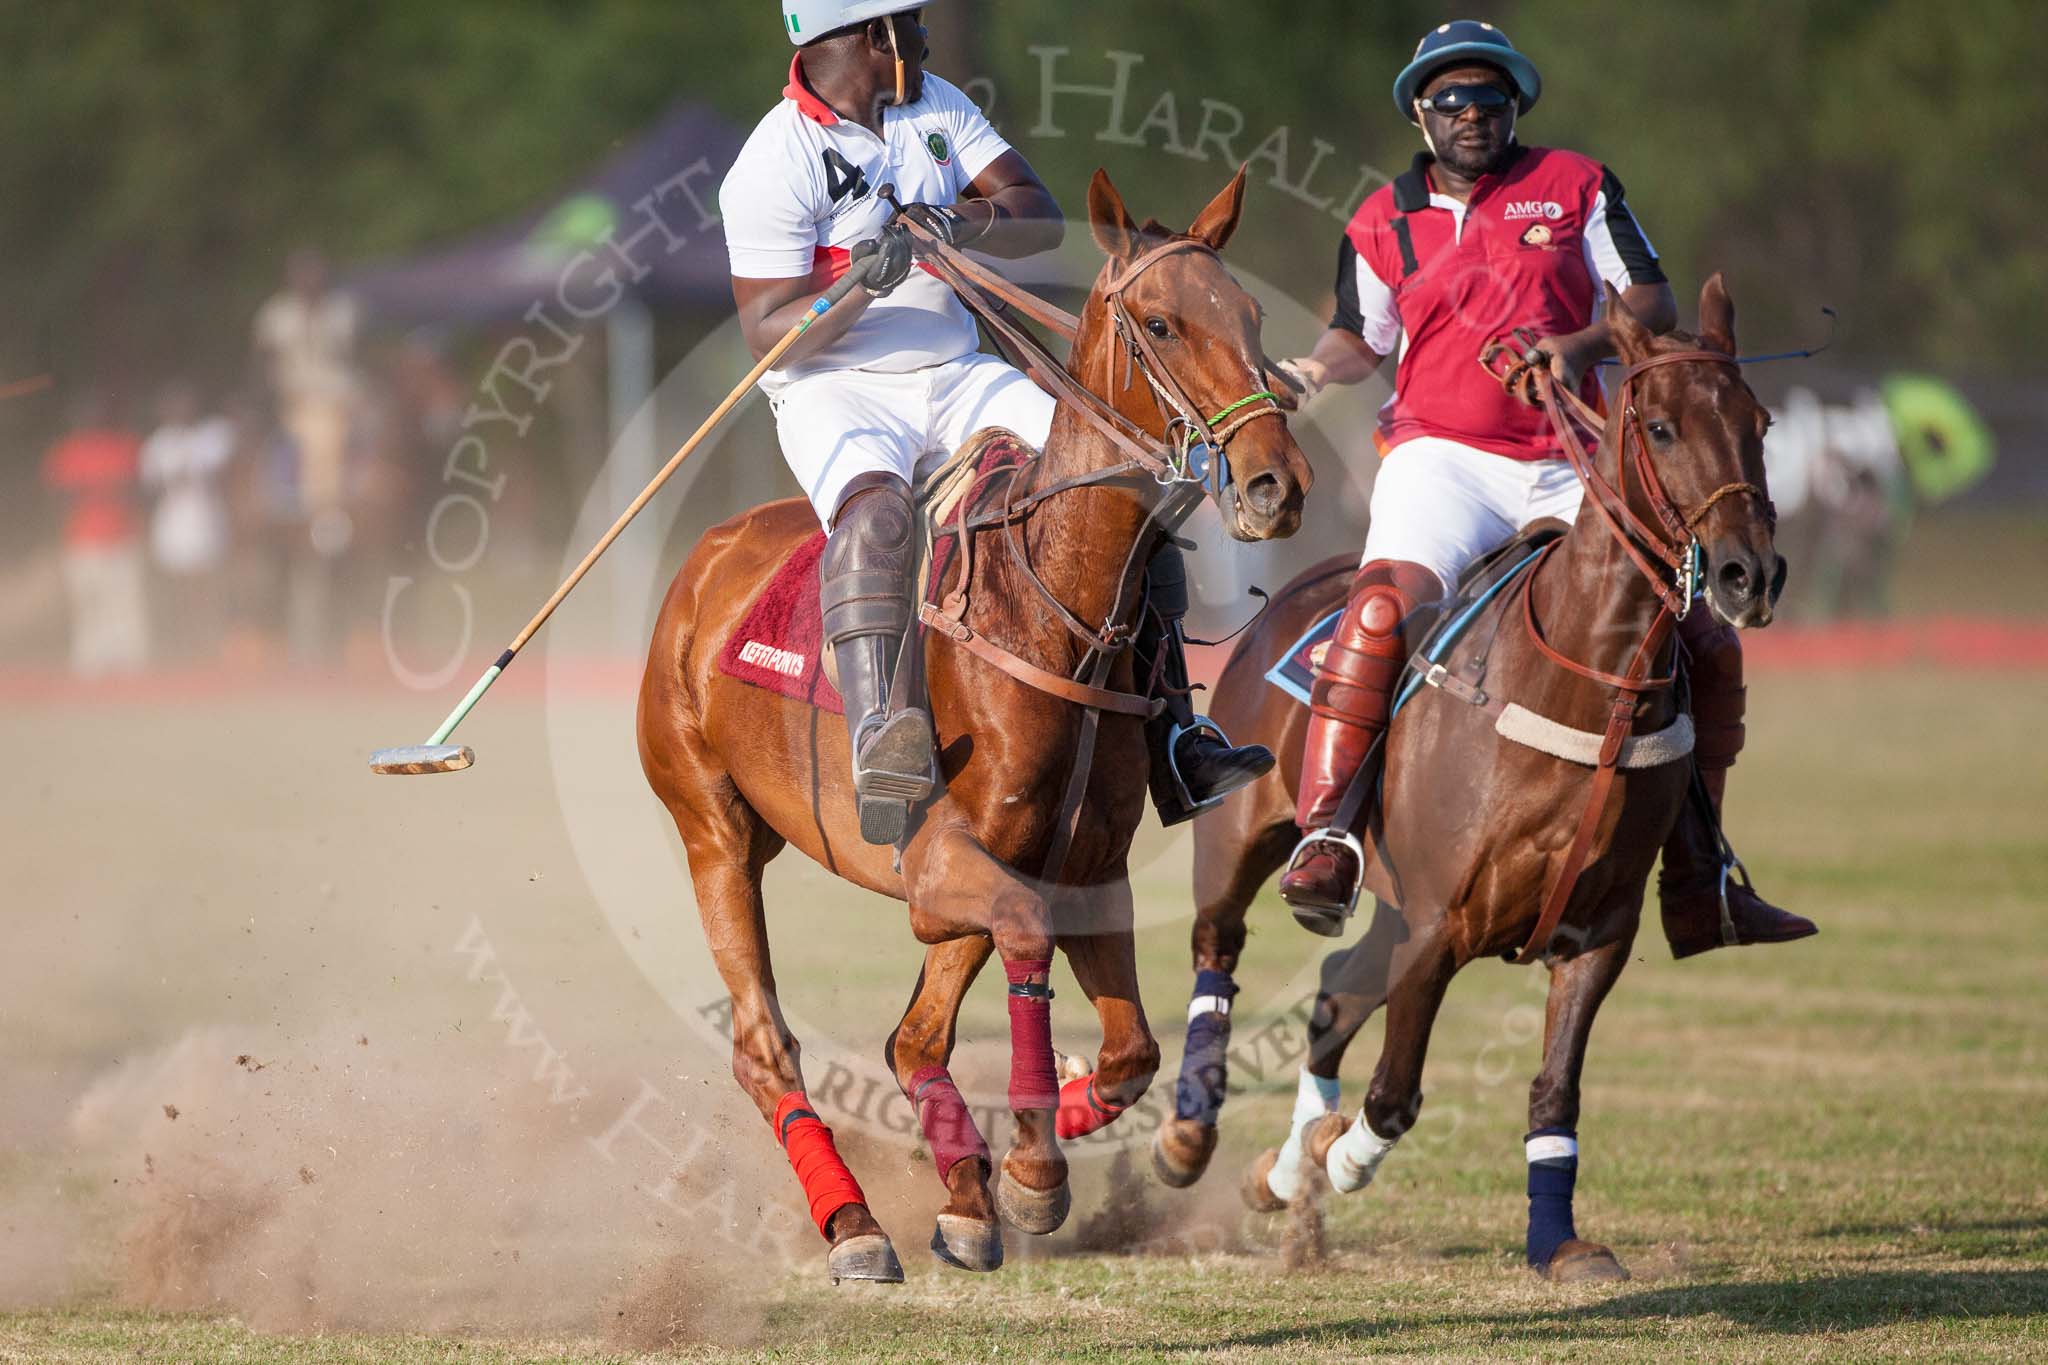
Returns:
(422,759)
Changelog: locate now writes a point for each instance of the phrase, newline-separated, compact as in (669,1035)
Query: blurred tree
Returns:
(161,159)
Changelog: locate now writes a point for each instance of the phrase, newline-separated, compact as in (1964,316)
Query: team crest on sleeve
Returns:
(941,150)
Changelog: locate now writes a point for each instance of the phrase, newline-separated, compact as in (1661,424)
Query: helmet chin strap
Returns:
(896,47)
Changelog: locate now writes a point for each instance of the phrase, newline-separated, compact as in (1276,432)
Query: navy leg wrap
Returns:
(1204,1064)
(1551,1180)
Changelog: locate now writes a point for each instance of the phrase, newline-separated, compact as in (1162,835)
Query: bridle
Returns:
(1674,542)
(1199,446)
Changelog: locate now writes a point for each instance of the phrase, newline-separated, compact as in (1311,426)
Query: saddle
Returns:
(1295,673)
(779,644)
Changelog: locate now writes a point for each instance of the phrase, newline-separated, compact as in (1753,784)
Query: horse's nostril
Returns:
(1736,578)
(1265,494)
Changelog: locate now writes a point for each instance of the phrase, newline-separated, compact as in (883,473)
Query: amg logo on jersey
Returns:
(1533,208)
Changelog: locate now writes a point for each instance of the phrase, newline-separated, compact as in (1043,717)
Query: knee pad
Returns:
(1166,582)
(864,575)
(1719,700)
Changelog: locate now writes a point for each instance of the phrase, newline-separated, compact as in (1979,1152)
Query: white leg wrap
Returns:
(1315,1098)
(1356,1157)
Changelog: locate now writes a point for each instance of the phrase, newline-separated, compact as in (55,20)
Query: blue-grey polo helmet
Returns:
(1465,40)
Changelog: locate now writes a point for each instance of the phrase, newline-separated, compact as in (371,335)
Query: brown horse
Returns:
(746,772)
(1476,827)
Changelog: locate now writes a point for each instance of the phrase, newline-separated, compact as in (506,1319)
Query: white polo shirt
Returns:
(803,194)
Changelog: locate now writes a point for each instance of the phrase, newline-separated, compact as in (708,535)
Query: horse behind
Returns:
(746,772)
(1475,828)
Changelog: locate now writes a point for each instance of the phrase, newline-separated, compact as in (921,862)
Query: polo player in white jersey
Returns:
(891,383)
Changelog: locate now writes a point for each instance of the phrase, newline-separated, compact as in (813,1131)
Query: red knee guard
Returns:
(949,1129)
(1083,1111)
(827,1183)
(1355,683)
(1033,1085)
(1719,700)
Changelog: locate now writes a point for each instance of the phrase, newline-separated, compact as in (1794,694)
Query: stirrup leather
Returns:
(1343,839)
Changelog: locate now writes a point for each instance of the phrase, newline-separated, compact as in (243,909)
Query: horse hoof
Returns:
(869,1260)
(1038,1212)
(1181,1150)
(1322,1135)
(1257,1189)
(968,1243)
(1578,1262)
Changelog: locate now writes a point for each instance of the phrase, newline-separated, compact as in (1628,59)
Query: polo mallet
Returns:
(437,755)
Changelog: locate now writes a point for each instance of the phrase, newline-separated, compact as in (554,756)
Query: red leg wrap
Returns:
(949,1129)
(827,1183)
(1033,1083)
(1083,1111)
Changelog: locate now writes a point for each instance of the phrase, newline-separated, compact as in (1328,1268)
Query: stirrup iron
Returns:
(1310,917)
(1200,725)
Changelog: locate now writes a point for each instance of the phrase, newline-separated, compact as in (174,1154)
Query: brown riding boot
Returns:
(1348,710)
(1707,899)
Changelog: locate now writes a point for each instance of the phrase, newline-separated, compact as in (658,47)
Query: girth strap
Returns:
(1031,675)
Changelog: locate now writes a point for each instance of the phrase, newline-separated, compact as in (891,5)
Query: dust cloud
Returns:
(348,1185)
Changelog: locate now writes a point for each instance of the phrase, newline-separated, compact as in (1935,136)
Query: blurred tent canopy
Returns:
(495,275)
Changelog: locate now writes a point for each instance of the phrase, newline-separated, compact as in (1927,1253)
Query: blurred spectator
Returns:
(184,463)
(94,470)
(306,339)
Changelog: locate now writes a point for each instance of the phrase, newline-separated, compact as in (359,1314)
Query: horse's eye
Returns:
(1158,328)
(1660,433)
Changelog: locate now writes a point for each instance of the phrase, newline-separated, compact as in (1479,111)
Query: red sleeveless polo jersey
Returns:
(1432,281)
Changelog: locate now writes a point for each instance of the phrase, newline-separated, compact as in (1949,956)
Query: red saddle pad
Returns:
(781,643)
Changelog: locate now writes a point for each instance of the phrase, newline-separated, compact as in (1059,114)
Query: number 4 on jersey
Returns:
(842,177)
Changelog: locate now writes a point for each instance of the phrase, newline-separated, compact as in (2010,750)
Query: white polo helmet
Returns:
(807,21)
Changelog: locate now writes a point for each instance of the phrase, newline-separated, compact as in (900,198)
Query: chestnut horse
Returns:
(1474,828)
(746,772)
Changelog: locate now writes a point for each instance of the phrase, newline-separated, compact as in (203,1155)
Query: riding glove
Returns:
(949,225)
(897,259)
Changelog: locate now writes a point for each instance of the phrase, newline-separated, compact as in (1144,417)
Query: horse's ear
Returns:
(1111,222)
(1218,222)
(1631,337)
(1717,316)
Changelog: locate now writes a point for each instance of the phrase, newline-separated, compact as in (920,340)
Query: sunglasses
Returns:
(1453,100)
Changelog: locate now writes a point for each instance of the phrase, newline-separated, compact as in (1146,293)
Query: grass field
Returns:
(1830,1151)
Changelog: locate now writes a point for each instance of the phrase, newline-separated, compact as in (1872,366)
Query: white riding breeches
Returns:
(837,426)
(1442,505)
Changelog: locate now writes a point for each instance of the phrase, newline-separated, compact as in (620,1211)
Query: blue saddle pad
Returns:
(1295,674)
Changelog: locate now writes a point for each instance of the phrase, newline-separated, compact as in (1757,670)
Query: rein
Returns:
(1673,544)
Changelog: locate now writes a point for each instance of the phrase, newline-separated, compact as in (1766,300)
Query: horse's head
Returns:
(1700,431)
(1171,341)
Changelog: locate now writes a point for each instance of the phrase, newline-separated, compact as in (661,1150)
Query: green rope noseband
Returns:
(1239,406)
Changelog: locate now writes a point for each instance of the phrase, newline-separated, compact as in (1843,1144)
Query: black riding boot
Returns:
(1194,765)
(865,589)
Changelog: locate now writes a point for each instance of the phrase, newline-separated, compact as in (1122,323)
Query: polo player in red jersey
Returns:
(1481,237)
